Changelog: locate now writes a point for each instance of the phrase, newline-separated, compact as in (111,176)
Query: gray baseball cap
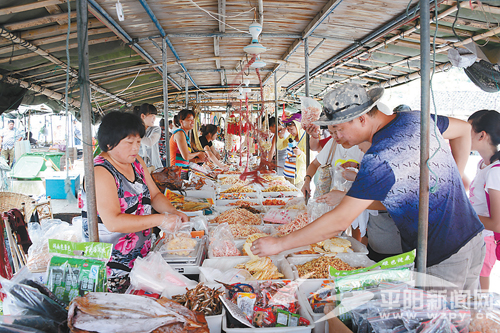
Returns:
(347,103)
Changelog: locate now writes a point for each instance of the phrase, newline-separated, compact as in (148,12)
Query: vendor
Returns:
(208,133)
(388,177)
(150,151)
(180,144)
(125,196)
(295,162)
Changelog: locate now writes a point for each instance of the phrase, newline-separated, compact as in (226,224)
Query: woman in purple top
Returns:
(125,195)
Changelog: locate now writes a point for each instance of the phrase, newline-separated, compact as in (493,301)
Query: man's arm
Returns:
(458,133)
(327,226)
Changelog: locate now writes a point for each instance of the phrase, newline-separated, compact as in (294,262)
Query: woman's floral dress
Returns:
(134,199)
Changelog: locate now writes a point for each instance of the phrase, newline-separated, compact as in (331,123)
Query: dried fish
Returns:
(202,299)
(107,312)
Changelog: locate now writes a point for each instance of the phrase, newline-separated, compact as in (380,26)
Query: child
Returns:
(485,188)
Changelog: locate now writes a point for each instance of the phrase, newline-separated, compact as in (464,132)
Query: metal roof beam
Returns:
(316,21)
(153,18)
(399,21)
(104,17)
(74,73)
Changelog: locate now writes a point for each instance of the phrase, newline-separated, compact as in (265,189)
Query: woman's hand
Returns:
(202,156)
(306,188)
(332,198)
(171,223)
(266,246)
(183,216)
(349,175)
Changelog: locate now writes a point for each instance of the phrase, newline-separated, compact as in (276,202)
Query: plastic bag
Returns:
(222,242)
(317,209)
(281,216)
(25,298)
(298,203)
(310,109)
(153,274)
(338,180)
(38,253)
(233,275)
(77,268)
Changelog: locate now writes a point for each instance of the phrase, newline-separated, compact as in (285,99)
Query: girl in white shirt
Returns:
(150,151)
(485,188)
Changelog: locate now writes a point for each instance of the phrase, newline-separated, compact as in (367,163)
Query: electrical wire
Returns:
(215,18)
(131,83)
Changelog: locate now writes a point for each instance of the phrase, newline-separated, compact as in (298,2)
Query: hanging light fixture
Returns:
(255,47)
(119,11)
(258,63)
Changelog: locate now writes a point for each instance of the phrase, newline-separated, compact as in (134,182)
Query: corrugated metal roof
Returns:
(368,41)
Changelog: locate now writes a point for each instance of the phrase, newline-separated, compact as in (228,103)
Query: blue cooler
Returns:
(54,186)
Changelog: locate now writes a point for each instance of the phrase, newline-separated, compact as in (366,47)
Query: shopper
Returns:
(389,173)
(208,134)
(161,143)
(485,188)
(295,162)
(180,144)
(8,138)
(125,196)
(150,152)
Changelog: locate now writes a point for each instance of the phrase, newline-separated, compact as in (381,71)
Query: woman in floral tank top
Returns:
(125,196)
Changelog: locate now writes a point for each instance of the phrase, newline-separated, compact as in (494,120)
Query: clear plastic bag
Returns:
(338,180)
(298,203)
(317,209)
(153,274)
(310,109)
(222,242)
(38,253)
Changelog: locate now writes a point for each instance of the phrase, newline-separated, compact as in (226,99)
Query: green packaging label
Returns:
(391,262)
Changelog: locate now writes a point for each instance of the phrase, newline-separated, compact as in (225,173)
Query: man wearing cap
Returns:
(389,173)
(8,137)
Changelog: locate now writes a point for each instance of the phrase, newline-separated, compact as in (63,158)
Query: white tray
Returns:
(356,247)
(226,263)
(354,259)
(298,329)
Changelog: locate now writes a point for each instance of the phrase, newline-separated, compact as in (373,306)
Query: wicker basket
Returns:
(9,200)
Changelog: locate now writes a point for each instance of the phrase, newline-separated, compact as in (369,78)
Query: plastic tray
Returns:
(305,288)
(356,247)
(349,258)
(298,329)
(226,263)
(281,194)
(227,202)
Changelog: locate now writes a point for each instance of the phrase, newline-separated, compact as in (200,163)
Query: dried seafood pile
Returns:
(319,268)
(237,216)
(201,299)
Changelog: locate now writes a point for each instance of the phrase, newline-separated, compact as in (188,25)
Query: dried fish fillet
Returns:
(107,312)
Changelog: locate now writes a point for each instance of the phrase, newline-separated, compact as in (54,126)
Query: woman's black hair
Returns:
(162,123)
(183,114)
(489,122)
(208,129)
(116,126)
(145,109)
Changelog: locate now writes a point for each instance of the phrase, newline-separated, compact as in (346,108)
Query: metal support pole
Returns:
(187,95)
(165,101)
(86,112)
(51,129)
(423,209)
(306,67)
(276,117)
